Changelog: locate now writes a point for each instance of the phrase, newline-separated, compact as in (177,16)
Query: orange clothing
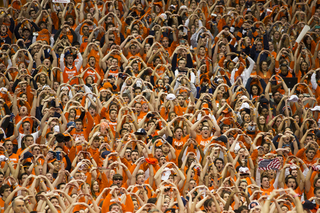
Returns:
(84,133)
(203,141)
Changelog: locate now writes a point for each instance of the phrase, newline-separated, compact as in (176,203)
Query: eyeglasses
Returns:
(117,179)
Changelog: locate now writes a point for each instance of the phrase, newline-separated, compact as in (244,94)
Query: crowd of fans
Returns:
(147,106)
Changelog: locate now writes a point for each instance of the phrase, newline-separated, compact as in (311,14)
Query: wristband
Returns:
(296,195)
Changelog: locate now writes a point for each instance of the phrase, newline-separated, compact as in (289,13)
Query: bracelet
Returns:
(296,195)
(268,198)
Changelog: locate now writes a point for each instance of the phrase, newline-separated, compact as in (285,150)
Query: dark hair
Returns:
(175,129)
(315,190)
(3,188)
(78,120)
(123,129)
(59,185)
(114,204)
(208,203)
(21,175)
(75,43)
(117,176)
(259,89)
(152,200)
(135,150)
(242,208)
(218,159)
(291,177)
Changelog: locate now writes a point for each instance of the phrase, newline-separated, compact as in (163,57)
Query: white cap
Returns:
(316,108)
(56,128)
(293,98)
(3,90)
(184,7)
(243,170)
(166,174)
(243,97)
(237,147)
(64,87)
(244,105)
(46,86)
(163,16)
(170,97)
(3,158)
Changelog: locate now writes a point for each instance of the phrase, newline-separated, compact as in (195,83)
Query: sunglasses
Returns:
(117,179)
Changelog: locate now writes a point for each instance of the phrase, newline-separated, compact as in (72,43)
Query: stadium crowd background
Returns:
(174,106)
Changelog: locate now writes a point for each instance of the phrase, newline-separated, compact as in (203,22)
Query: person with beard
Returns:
(276,96)
(276,83)
(85,31)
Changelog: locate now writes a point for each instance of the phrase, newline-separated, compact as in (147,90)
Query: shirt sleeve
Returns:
(79,63)
(62,62)
(314,81)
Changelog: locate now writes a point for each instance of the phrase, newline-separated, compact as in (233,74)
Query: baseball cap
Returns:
(141,131)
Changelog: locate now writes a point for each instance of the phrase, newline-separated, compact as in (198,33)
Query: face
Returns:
(134,156)
(8,146)
(192,184)
(69,60)
(118,181)
(247,118)
(29,141)
(178,134)
(78,126)
(259,46)
(158,153)
(255,90)
(18,206)
(113,115)
(205,132)
(284,68)
(265,183)
(36,151)
(262,120)
(291,183)
(92,61)
(85,31)
(23,179)
(140,179)
(310,154)
(243,184)
(23,110)
(226,196)
(115,208)
(219,165)
(277,97)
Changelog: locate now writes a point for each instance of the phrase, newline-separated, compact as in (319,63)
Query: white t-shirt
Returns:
(20,136)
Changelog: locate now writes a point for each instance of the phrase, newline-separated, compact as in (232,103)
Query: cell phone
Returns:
(11,117)
(72,127)
(58,157)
